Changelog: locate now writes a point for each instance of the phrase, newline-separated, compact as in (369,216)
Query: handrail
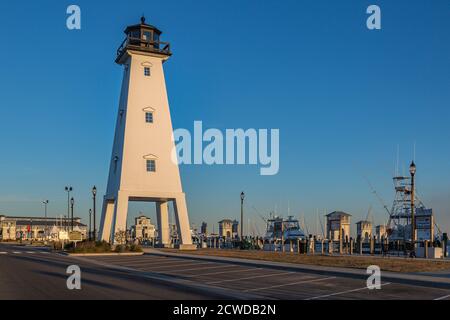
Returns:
(138,43)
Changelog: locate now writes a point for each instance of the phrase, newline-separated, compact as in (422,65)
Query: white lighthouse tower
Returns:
(141,167)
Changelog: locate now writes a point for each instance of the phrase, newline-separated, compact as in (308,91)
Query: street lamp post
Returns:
(94,194)
(46,229)
(412,171)
(242,216)
(72,202)
(90,220)
(68,190)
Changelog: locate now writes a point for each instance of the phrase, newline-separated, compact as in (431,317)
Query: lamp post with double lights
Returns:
(412,171)
(94,194)
(45,202)
(68,190)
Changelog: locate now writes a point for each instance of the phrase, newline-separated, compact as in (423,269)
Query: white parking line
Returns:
(17,252)
(289,284)
(253,277)
(138,260)
(343,292)
(444,297)
(194,269)
(156,268)
(221,272)
(153,263)
(31,252)
(3,252)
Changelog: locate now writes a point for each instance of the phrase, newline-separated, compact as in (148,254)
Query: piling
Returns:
(372,245)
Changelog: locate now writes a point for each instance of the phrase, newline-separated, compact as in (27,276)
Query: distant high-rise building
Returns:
(204,228)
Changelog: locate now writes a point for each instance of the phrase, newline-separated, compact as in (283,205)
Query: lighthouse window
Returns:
(149,117)
(134,34)
(156,39)
(147,71)
(151,166)
(147,36)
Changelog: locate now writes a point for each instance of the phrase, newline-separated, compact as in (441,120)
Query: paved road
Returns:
(37,274)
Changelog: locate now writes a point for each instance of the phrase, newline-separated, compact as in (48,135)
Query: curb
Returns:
(104,254)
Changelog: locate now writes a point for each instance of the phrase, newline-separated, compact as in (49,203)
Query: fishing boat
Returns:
(278,228)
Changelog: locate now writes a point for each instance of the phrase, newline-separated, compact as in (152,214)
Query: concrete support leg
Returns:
(182,220)
(162,215)
(120,218)
(106,221)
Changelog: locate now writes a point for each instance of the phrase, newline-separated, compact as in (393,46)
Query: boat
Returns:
(278,228)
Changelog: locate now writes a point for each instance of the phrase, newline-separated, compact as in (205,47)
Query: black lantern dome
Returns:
(145,38)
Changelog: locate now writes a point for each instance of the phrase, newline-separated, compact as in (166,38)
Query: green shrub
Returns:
(128,248)
(89,247)
(100,247)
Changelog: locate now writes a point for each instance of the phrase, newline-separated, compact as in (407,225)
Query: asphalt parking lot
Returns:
(267,283)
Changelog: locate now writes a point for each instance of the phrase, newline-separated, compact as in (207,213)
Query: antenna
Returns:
(305,227)
(372,189)
(317,222)
(321,225)
(398,160)
(260,215)
(368,213)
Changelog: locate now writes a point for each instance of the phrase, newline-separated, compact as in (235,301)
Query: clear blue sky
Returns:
(342,96)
